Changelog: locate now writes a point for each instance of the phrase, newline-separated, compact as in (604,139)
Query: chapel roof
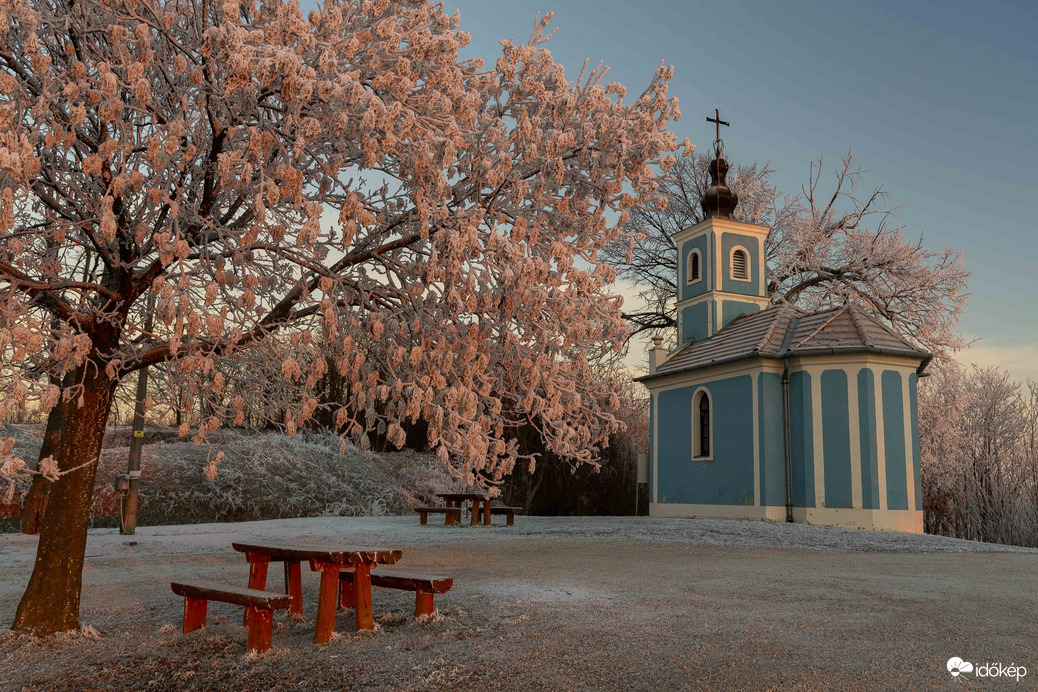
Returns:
(783,331)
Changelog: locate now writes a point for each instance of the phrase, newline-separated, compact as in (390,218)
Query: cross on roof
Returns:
(718,122)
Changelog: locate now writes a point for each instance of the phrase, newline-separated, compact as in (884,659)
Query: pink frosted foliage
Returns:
(335,191)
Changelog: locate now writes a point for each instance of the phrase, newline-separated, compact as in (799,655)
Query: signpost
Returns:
(128,484)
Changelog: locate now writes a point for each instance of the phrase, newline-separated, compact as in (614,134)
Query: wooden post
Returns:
(128,513)
(486,512)
(347,594)
(294,586)
(257,575)
(362,592)
(425,517)
(194,613)
(475,513)
(511,519)
(260,627)
(423,603)
(448,516)
(327,601)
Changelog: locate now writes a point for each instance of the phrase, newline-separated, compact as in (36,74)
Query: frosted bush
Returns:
(264,476)
(261,476)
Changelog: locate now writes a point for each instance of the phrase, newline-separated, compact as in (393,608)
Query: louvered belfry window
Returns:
(740,265)
(693,266)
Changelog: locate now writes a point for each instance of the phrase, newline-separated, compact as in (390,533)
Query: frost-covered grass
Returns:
(575,603)
(261,476)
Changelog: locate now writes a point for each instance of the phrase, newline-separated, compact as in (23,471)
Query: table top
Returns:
(462,496)
(327,552)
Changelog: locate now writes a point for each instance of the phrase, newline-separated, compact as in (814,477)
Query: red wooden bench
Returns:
(260,606)
(424,587)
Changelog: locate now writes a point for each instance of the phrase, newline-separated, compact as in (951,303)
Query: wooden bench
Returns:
(510,511)
(260,606)
(424,587)
(453,514)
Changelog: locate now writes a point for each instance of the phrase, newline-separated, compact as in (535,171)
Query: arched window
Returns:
(740,264)
(693,267)
(702,426)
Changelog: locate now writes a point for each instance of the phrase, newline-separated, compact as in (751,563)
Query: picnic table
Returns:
(457,499)
(330,560)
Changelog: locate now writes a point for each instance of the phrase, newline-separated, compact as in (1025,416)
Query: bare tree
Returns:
(650,260)
(826,247)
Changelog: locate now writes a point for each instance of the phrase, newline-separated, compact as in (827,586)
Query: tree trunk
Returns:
(51,600)
(39,489)
(532,483)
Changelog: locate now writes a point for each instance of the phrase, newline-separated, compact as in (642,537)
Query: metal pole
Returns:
(128,520)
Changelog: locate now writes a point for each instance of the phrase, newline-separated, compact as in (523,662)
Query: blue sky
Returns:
(937,100)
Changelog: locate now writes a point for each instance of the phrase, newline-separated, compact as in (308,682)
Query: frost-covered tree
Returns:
(826,247)
(254,170)
(978,434)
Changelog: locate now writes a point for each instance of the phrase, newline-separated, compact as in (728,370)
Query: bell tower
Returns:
(720,260)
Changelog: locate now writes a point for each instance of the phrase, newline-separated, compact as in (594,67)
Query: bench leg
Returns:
(511,519)
(294,586)
(347,593)
(423,603)
(362,597)
(327,603)
(486,513)
(425,518)
(257,576)
(194,613)
(448,516)
(475,513)
(261,624)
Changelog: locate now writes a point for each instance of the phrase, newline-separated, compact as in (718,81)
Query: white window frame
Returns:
(688,267)
(696,397)
(731,264)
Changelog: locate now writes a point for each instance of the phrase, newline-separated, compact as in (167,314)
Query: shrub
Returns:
(261,476)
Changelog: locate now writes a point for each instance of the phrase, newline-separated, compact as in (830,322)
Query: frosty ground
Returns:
(570,603)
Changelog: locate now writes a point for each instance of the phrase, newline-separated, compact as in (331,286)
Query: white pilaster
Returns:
(816,424)
(654,402)
(855,437)
(906,405)
(881,449)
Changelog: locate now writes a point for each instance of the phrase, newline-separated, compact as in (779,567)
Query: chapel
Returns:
(766,411)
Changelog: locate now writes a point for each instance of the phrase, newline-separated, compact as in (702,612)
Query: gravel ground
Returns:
(576,603)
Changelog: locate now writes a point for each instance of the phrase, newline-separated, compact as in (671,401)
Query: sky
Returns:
(937,100)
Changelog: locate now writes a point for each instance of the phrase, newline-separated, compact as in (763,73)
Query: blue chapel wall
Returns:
(695,321)
(731,309)
(869,441)
(801,439)
(913,381)
(836,439)
(751,287)
(728,478)
(772,439)
(701,243)
(894,440)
